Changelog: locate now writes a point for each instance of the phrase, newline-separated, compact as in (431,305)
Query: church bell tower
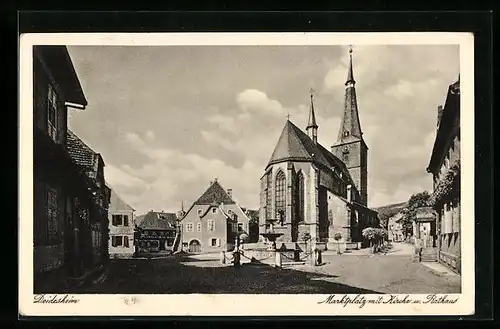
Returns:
(350,146)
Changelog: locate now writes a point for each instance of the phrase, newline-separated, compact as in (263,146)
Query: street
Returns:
(355,273)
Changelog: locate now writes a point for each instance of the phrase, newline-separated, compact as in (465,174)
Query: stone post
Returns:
(278,259)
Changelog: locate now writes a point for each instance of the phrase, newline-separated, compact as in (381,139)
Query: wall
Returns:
(42,76)
(338,218)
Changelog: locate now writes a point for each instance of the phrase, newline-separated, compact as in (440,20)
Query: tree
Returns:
(417,200)
(337,237)
(376,237)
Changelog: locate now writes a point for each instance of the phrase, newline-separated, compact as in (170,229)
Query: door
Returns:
(194,246)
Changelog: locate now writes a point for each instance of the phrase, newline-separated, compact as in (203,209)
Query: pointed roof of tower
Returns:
(350,127)
(215,194)
(311,123)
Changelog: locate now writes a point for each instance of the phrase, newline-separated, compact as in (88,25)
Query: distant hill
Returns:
(385,212)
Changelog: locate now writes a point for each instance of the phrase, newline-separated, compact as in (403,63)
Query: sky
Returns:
(169,120)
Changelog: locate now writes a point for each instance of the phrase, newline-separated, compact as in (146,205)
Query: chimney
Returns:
(349,193)
(230,192)
(440,114)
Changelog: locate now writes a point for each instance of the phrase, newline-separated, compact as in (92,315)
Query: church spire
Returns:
(350,126)
(350,75)
(312,127)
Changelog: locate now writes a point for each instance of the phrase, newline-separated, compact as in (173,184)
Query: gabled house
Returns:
(156,232)
(213,221)
(69,198)
(121,227)
(444,165)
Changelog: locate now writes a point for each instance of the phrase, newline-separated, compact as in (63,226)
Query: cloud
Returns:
(150,135)
(252,100)
(118,177)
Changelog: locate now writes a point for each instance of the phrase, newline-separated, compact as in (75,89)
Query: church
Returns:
(307,188)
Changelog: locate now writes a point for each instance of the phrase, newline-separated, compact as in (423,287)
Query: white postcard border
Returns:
(238,304)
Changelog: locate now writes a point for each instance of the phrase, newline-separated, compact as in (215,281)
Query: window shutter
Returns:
(218,242)
(125,220)
(125,241)
(113,241)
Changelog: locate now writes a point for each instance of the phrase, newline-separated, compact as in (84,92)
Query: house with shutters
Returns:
(156,233)
(444,165)
(121,227)
(213,221)
(70,194)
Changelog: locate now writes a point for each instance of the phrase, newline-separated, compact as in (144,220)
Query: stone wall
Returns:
(48,258)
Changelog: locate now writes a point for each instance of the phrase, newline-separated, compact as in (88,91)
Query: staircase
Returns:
(428,255)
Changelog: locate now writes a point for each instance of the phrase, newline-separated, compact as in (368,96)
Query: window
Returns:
(346,133)
(189,227)
(213,242)
(280,194)
(269,196)
(120,220)
(299,197)
(200,212)
(117,241)
(52,214)
(214,210)
(125,242)
(345,154)
(240,227)
(52,113)
(211,225)
(198,227)
(229,212)
(234,228)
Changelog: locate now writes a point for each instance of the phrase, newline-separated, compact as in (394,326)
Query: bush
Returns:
(376,237)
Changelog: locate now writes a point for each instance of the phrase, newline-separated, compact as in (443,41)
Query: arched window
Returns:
(299,198)
(269,196)
(280,184)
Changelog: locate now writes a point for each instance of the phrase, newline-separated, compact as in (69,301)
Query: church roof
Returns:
(295,145)
(215,194)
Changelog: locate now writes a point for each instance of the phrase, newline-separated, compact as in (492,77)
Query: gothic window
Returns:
(269,196)
(280,184)
(299,198)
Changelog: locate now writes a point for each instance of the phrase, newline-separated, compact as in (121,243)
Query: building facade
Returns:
(70,199)
(395,228)
(213,222)
(444,166)
(308,189)
(156,232)
(121,228)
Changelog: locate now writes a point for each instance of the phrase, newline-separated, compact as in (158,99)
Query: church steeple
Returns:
(350,127)
(312,127)
(350,146)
